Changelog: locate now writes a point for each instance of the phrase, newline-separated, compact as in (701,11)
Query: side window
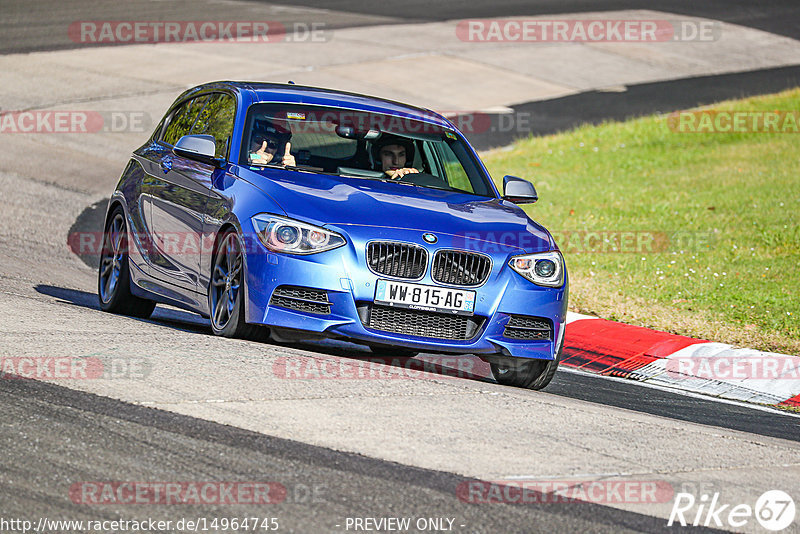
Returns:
(216,120)
(182,121)
(170,134)
(433,161)
(454,172)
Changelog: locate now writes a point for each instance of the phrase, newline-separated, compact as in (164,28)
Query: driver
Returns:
(265,140)
(391,153)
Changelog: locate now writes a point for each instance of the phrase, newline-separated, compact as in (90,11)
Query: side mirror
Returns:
(519,191)
(200,148)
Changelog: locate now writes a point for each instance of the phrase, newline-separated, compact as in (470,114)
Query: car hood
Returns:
(341,201)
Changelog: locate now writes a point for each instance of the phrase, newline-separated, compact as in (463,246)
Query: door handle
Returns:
(166,165)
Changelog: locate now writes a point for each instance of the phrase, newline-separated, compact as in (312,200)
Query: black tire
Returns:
(113,275)
(524,372)
(226,290)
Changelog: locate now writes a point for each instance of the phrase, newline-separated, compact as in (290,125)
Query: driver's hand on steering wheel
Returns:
(396,174)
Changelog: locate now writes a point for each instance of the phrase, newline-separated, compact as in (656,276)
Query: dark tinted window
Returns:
(216,120)
(183,119)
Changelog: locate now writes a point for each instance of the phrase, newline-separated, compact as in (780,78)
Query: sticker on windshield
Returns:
(295,115)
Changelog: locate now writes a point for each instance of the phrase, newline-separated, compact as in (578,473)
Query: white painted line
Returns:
(572,316)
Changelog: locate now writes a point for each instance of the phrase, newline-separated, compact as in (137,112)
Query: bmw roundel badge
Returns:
(430,238)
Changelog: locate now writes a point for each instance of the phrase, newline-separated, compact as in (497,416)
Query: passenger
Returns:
(391,153)
(265,141)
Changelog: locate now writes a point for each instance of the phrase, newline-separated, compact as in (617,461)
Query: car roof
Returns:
(300,94)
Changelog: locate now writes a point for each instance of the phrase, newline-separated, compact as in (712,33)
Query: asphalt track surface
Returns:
(103,439)
(776,16)
(49,428)
(594,107)
(36,26)
(28,27)
(574,385)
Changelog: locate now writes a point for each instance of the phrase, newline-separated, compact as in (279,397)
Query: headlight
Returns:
(543,269)
(293,237)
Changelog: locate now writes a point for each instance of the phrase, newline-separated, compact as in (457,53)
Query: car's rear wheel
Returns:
(113,276)
(226,289)
(525,372)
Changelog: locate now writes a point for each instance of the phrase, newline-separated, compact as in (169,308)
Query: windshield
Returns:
(369,146)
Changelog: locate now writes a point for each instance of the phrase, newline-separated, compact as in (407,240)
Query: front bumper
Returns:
(350,287)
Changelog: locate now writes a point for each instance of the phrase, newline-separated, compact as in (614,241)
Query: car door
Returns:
(217,120)
(180,194)
(148,161)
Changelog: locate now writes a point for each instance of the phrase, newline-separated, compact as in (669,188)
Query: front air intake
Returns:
(303,299)
(527,327)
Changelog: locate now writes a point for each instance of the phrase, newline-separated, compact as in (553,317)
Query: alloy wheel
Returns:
(111,259)
(226,281)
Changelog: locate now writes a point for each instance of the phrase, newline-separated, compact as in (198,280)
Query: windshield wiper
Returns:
(314,170)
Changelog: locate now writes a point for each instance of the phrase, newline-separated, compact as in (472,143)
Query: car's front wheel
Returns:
(525,372)
(113,277)
(226,290)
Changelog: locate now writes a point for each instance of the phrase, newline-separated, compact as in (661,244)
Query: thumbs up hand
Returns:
(288,159)
(261,156)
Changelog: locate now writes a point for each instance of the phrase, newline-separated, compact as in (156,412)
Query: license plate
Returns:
(427,298)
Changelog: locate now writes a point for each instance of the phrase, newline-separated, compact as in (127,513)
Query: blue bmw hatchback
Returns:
(307,213)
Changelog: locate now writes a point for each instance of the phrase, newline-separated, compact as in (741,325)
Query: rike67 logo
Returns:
(774,510)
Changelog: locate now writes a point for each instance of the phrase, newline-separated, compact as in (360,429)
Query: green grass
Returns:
(733,200)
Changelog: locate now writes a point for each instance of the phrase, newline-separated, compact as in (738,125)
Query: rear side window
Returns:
(182,120)
(216,120)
